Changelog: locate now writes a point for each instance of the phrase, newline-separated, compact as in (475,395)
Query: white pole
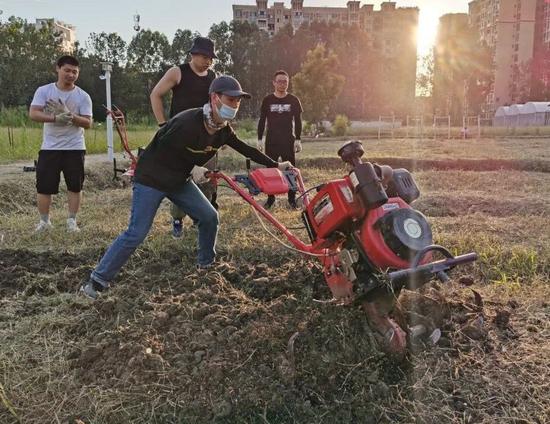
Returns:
(478,127)
(448,127)
(379,125)
(107,67)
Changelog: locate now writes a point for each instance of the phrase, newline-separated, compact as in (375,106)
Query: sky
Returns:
(167,16)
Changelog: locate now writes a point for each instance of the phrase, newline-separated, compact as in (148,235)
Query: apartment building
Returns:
(390,27)
(541,59)
(518,33)
(451,51)
(66,33)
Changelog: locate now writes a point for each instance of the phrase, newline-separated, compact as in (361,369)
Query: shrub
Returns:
(340,125)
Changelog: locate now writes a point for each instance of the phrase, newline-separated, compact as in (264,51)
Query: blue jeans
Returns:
(145,203)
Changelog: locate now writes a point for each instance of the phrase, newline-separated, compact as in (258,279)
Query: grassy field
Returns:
(168,345)
(23,142)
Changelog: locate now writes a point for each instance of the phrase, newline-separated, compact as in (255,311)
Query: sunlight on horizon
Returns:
(427,31)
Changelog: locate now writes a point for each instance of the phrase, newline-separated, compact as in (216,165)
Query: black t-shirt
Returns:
(192,91)
(183,143)
(280,114)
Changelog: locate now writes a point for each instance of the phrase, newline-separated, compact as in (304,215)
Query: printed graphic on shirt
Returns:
(280,108)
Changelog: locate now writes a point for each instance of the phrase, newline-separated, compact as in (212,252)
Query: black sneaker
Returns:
(92,289)
(270,202)
(293,205)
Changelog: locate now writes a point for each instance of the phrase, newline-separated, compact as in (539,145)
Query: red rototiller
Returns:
(369,239)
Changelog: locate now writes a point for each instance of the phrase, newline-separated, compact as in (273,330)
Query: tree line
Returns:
(333,67)
(344,75)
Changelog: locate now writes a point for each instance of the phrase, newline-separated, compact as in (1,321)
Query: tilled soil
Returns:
(255,340)
(239,344)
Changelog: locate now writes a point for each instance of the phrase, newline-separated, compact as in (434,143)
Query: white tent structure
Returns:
(537,113)
(501,117)
(515,112)
(531,114)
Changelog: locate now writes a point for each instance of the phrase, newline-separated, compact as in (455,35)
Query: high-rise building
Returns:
(451,50)
(517,31)
(66,33)
(391,28)
(541,59)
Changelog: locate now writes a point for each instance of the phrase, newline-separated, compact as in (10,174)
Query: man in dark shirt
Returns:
(178,152)
(189,84)
(281,109)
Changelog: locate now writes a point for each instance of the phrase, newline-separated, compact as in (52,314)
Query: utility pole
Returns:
(107,67)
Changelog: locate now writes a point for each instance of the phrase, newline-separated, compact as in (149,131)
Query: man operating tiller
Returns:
(171,166)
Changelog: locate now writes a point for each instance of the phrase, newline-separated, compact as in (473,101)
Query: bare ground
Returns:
(250,343)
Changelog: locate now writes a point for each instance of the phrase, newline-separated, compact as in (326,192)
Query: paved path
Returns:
(15,169)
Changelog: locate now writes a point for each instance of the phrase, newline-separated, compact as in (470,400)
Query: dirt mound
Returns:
(101,177)
(15,196)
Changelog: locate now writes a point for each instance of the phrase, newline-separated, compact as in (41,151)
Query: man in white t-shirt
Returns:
(65,110)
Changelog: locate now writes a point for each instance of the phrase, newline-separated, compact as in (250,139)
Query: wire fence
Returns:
(444,127)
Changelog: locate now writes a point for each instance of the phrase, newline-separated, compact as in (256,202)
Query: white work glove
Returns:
(261,145)
(55,107)
(283,166)
(297,146)
(63,119)
(198,174)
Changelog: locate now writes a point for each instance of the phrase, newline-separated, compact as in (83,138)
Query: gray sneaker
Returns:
(72,225)
(43,226)
(92,289)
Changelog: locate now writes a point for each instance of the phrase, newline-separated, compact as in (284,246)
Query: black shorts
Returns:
(50,165)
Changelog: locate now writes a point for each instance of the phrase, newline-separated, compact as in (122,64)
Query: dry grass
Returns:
(171,346)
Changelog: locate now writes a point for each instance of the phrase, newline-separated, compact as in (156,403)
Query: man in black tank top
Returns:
(189,85)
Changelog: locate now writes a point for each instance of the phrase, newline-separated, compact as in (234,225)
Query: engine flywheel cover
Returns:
(405,231)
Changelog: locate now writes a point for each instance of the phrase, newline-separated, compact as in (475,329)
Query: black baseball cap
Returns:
(229,86)
(203,45)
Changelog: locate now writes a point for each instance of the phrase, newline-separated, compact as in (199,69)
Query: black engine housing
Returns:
(405,232)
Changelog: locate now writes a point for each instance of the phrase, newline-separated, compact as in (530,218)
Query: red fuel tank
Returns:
(269,180)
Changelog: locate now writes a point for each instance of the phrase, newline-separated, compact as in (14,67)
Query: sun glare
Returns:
(427,31)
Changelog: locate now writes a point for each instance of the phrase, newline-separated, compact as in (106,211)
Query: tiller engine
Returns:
(371,242)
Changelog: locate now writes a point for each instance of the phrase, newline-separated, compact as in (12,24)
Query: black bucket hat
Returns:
(229,86)
(203,45)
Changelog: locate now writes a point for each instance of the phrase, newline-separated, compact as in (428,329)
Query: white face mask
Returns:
(207,112)
(227,112)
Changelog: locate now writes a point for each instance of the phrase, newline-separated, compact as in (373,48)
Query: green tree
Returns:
(107,47)
(149,51)
(317,84)
(183,40)
(27,60)
(221,34)
(249,63)
(425,79)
